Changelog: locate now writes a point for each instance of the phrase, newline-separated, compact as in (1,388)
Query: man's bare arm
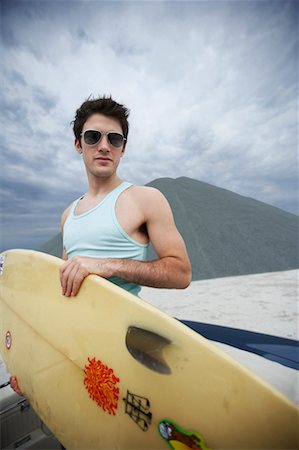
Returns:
(167,272)
(172,269)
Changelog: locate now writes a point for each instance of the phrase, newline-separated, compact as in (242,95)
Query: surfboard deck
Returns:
(106,370)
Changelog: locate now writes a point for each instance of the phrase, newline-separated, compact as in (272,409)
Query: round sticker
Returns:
(8,340)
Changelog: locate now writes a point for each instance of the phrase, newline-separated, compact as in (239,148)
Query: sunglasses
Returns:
(93,137)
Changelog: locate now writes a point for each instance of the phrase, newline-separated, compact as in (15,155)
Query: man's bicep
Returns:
(167,241)
(163,233)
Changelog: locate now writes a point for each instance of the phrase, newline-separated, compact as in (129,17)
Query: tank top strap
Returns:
(74,204)
(118,190)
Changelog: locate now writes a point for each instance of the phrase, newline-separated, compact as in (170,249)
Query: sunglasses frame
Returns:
(104,134)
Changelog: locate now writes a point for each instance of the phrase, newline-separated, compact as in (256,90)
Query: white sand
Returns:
(266,303)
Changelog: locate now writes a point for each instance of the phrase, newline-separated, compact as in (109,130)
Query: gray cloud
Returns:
(212,88)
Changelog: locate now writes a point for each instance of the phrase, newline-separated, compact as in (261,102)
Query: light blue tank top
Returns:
(97,233)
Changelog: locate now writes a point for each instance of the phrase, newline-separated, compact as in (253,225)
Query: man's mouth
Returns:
(102,158)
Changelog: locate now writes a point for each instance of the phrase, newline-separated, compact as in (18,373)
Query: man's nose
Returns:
(103,145)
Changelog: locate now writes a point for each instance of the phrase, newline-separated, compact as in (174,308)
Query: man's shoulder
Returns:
(146,192)
(65,215)
(147,198)
(67,210)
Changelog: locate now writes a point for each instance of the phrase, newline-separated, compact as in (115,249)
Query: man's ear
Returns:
(78,147)
(123,150)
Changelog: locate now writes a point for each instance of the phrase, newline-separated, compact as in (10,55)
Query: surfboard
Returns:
(106,370)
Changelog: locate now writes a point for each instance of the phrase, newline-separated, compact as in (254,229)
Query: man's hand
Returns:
(73,272)
(14,385)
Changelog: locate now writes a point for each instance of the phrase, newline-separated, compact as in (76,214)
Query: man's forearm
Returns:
(167,272)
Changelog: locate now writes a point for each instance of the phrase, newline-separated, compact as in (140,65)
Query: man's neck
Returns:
(102,186)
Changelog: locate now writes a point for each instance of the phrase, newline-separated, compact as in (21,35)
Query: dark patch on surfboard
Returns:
(146,347)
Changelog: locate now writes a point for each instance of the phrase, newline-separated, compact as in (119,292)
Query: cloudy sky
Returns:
(211,85)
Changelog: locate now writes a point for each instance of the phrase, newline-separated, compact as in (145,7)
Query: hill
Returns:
(53,246)
(226,234)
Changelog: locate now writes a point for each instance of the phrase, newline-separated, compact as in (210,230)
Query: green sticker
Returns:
(179,439)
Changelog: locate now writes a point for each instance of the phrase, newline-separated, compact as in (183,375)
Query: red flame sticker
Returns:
(101,384)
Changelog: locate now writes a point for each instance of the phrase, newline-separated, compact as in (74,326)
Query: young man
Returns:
(106,232)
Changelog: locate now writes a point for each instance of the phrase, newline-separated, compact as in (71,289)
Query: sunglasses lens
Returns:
(116,139)
(91,137)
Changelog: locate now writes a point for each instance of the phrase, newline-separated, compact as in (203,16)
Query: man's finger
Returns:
(14,385)
(79,277)
(64,267)
(65,277)
(69,280)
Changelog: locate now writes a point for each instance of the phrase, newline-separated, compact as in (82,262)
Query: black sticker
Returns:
(138,408)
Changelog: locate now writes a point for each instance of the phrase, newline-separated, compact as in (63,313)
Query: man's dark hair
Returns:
(103,105)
